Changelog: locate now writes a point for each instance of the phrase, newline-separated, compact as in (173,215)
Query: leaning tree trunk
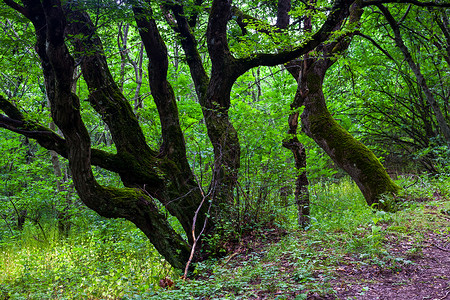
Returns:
(347,152)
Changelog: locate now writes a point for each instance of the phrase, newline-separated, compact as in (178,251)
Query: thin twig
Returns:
(7,224)
(444,296)
(443,249)
(196,238)
(410,185)
(243,192)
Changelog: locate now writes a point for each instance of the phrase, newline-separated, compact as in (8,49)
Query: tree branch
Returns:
(414,2)
(189,44)
(18,8)
(339,12)
(105,96)
(443,25)
(374,43)
(284,6)
(173,141)
(216,35)
(243,20)
(443,125)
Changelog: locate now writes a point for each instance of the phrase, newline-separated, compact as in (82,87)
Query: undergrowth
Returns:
(114,260)
(108,261)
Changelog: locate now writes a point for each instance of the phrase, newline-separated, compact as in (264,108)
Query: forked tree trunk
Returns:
(148,175)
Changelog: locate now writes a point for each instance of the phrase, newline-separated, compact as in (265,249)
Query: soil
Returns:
(427,277)
(420,272)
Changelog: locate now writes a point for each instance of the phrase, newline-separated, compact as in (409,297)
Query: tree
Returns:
(154,180)
(442,122)
(395,115)
(347,152)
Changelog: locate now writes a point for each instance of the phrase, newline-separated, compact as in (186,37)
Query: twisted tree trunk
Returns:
(149,175)
(347,152)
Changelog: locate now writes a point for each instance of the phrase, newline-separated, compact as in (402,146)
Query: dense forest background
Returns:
(160,135)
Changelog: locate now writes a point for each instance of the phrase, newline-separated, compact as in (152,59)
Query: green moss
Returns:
(354,157)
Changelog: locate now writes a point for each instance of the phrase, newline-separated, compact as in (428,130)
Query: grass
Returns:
(107,262)
(113,260)
(343,231)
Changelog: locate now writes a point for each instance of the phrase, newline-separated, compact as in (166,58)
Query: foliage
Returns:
(376,99)
(382,94)
(104,260)
(344,230)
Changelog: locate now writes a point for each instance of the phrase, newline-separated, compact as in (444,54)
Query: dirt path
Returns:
(411,263)
(426,278)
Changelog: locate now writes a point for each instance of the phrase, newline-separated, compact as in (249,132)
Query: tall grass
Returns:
(343,231)
(110,260)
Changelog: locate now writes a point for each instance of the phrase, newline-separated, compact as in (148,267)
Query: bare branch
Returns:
(443,125)
(374,43)
(173,140)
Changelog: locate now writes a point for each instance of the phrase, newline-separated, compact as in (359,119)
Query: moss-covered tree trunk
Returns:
(65,35)
(301,193)
(135,204)
(347,152)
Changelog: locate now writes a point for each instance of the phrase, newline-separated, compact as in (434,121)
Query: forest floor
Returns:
(418,267)
(350,251)
(406,257)
(428,277)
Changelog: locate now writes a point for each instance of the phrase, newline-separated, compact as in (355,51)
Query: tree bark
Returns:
(347,152)
(48,19)
(149,175)
(214,97)
(298,150)
(173,146)
(301,193)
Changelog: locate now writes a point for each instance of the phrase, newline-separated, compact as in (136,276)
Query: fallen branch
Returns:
(444,296)
(440,248)
(229,258)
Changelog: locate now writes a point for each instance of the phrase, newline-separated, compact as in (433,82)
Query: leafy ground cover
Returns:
(349,252)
